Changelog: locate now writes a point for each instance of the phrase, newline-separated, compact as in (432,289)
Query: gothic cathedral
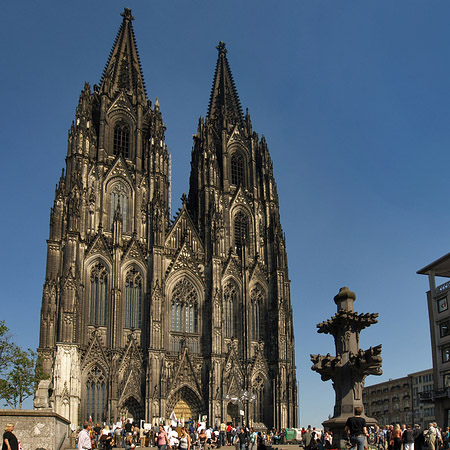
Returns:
(142,314)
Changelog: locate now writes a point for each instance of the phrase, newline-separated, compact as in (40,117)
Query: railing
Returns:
(442,288)
(431,395)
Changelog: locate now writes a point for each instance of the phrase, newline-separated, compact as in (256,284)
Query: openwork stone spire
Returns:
(224,105)
(123,68)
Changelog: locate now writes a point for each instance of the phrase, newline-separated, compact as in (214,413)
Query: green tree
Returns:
(6,346)
(19,382)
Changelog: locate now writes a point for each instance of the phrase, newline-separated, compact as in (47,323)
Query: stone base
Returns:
(337,426)
(38,430)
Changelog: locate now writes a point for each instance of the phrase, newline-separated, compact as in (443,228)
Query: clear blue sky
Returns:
(353,98)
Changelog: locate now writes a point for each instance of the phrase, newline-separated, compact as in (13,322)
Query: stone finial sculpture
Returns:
(349,368)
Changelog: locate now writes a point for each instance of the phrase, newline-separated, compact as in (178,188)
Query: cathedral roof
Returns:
(224,103)
(123,68)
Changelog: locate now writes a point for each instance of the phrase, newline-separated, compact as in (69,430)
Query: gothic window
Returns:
(240,230)
(257,302)
(95,395)
(122,140)
(133,299)
(237,169)
(184,308)
(99,295)
(119,198)
(230,305)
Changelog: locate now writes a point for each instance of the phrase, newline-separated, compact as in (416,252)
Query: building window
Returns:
(442,304)
(446,354)
(256,302)
(240,231)
(237,169)
(446,380)
(444,328)
(95,395)
(99,295)
(133,299)
(122,140)
(119,199)
(230,307)
(184,308)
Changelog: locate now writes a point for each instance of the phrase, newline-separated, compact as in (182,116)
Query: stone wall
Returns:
(38,430)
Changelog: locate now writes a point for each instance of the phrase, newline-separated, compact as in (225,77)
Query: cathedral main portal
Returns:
(183,411)
(185,403)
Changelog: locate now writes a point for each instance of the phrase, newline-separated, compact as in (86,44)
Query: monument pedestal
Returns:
(337,426)
(349,368)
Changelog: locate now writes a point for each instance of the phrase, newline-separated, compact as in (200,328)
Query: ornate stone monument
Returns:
(350,366)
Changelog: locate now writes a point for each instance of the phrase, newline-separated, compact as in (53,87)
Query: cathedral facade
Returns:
(143,315)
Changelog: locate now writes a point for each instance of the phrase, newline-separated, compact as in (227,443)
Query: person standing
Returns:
(356,428)
(222,433)
(408,438)
(162,440)
(253,439)
(242,438)
(84,437)
(10,441)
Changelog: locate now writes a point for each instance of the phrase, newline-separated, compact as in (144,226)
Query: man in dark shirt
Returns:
(356,429)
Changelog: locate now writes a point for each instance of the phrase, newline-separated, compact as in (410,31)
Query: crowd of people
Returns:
(388,437)
(410,437)
(189,437)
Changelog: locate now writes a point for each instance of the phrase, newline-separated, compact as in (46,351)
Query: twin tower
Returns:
(144,315)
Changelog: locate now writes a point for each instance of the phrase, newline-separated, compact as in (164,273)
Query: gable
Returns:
(99,246)
(183,230)
(185,260)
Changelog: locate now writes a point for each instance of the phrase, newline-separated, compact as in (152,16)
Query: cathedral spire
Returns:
(123,68)
(224,104)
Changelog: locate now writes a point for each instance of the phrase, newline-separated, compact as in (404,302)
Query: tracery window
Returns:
(133,299)
(256,301)
(99,295)
(230,307)
(119,197)
(122,140)
(184,307)
(237,169)
(96,395)
(240,230)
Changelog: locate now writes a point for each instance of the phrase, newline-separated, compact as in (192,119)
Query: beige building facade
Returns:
(403,400)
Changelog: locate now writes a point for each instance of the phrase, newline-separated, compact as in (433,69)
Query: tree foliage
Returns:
(20,371)
(5,347)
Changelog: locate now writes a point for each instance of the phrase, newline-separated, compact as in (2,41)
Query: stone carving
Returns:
(351,365)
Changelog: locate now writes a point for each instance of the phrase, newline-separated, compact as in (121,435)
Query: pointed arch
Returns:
(240,230)
(119,196)
(237,168)
(134,282)
(187,395)
(98,294)
(257,308)
(95,393)
(121,139)
(230,308)
(185,300)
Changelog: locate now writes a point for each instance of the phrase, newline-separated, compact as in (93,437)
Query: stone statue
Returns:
(349,368)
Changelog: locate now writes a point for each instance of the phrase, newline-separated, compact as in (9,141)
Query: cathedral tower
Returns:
(142,316)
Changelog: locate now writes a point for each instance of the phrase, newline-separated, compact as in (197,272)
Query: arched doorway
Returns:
(185,403)
(233,413)
(183,410)
(131,408)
